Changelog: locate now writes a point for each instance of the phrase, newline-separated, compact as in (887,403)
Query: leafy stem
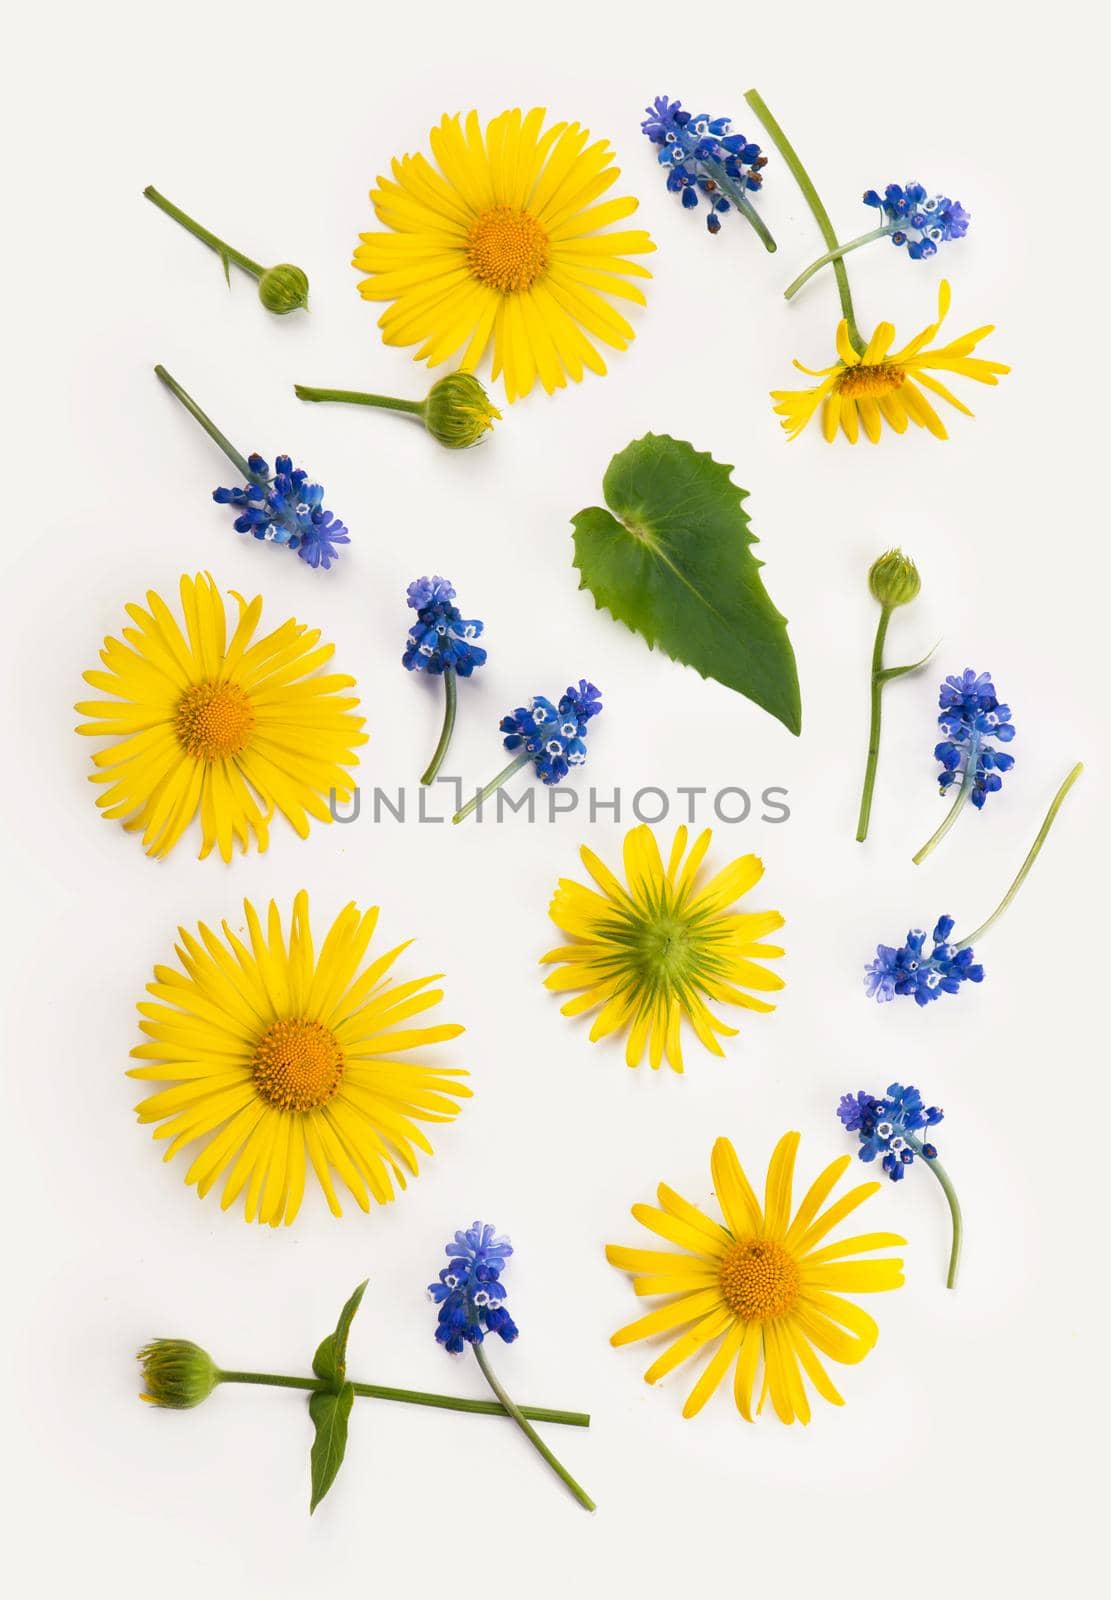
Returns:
(223,250)
(874,724)
(950,1193)
(450,696)
(835,255)
(413,1397)
(355,397)
(530,1432)
(207,424)
(522,758)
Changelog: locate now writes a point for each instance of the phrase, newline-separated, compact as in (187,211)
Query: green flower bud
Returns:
(177,1373)
(894,579)
(283,288)
(457,411)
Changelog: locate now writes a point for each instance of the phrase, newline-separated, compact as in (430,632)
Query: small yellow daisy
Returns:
(227,729)
(762,1289)
(880,386)
(278,1058)
(651,951)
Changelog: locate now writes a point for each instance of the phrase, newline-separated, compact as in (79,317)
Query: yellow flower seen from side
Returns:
(225,728)
(651,951)
(505,241)
(882,385)
(277,1059)
(761,1292)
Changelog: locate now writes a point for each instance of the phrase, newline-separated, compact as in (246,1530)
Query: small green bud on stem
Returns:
(894,579)
(284,288)
(177,1373)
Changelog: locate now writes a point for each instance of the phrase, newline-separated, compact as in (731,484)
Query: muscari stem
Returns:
(224,251)
(742,203)
(519,760)
(1032,856)
(207,424)
(820,214)
(413,1397)
(950,1193)
(449,724)
(971,763)
(874,725)
(355,397)
(530,1433)
(835,255)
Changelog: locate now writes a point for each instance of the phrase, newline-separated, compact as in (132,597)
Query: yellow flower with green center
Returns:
(277,1059)
(762,1290)
(225,729)
(887,386)
(505,241)
(650,952)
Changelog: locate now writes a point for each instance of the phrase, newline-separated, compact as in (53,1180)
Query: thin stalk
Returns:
(835,255)
(820,214)
(530,1432)
(743,204)
(413,1397)
(950,1193)
(449,724)
(207,424)
(1030,859)
(224,251)
(874,725)
(971,762)
(355,397)
(519,760)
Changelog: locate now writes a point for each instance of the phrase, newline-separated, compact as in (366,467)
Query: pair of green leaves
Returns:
(330,1408)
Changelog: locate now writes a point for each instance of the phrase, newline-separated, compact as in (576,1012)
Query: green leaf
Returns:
(899,672)
(329,1413)
(227,267)
(330,1360)
(671,558)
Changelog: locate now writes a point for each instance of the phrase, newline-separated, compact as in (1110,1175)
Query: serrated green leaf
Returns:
(329,1413)
(671,558)
(330,1360)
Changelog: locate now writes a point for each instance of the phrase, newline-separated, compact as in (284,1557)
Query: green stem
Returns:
(743,204)
(820,214)
(950,1193)
(207,424)
(971,762)
(413,1397)
(835,255)
(224,251)
(355,397)
(519,760)
(449,724)
(530,1433)
(874,725)
(1030,859)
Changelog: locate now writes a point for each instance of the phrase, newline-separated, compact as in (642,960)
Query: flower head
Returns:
(925,220)
(286,509)
(696,151)
(650,952)
(884,386)
(884,1125)
(177,1373)
(971,716)
(505,239)
(554,736)
(760,1287)
(909,970)
(457,411)
(440,637)
(469,1292)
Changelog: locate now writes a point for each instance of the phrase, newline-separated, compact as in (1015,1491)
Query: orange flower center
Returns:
(214,720)
(870,381)
(298,1065)
(759,1279)
(508,249)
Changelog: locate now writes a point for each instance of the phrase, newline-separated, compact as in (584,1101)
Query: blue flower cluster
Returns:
(909,970)
(697,151)
(553,735)
(934,218)
(286,509)
(883,1126)
(440,637)
(970,715)
(469,1291)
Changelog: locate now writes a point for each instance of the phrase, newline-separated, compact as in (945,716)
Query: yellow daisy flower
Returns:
(880,386)
(653,951)
(760,1289)
(503,240)
(275,1055)
(224,729)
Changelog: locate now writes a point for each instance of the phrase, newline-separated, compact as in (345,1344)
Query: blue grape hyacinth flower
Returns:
(908,970)
(921,221)
(705,160)
(286,509)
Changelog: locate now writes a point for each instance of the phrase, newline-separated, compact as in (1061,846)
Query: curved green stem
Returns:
(413,1397)
(449,724)
(530,1432)
(224,251)
(820,214)
(950,1193)
(742,203)
(519,760)
(1031,857)
(954,811)
(835,255)
(207,424)
(355,397)
(874,725)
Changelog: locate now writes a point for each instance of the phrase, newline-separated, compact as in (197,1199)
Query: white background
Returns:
(964,1452)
